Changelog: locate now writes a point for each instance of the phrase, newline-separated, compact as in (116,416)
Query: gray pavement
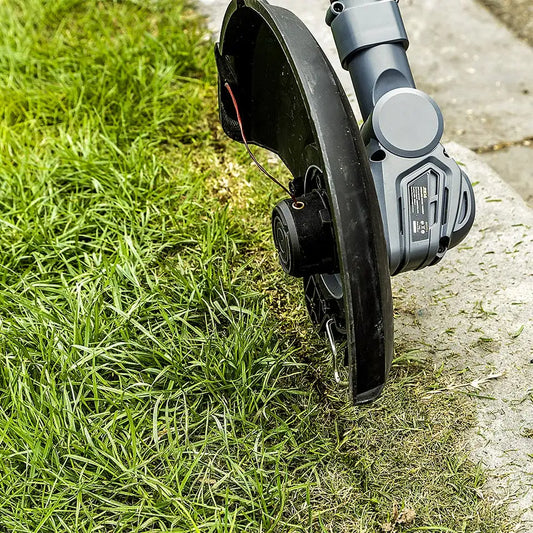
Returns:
(474,311)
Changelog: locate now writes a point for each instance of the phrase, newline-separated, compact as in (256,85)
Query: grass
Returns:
(158,371)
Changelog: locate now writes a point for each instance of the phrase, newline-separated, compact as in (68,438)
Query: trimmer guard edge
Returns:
(293,104)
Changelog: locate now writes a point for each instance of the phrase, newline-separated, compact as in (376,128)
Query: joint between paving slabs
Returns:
(526,141)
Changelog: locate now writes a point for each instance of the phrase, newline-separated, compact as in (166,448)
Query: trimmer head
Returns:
(292,103)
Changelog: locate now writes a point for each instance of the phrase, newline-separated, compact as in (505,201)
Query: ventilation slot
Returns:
(445,206)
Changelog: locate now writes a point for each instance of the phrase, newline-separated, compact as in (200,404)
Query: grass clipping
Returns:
(158,371)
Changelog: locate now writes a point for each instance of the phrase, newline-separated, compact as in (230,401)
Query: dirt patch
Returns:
(517,15)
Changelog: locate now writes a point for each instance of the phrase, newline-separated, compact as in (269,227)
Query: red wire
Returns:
(261,167)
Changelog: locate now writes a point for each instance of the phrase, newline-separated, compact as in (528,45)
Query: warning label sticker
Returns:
(419,207)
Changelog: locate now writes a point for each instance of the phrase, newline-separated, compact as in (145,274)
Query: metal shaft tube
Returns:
(371,41)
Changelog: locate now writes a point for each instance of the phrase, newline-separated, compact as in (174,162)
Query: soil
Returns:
(517,15)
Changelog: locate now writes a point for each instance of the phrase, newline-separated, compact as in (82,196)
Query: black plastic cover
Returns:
(292,104)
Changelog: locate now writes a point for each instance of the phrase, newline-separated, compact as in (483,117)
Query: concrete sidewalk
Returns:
(474,311)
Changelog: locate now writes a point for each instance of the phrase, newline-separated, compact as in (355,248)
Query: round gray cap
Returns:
(407,122)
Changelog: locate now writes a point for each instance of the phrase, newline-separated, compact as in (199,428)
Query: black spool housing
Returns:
(303,235)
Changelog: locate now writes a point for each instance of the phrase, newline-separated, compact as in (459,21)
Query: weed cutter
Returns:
(365,203)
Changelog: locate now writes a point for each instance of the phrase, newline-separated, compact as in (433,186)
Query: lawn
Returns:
(158,371)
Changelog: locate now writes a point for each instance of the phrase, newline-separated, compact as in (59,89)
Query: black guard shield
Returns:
(293,104)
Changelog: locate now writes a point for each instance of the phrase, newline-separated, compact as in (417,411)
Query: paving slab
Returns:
(515,162)
(474,311)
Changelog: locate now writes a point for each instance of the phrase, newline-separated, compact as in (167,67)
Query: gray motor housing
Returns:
(426,201)
(427,205)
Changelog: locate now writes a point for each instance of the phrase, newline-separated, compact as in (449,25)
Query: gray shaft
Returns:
(371,40)
(378,70)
